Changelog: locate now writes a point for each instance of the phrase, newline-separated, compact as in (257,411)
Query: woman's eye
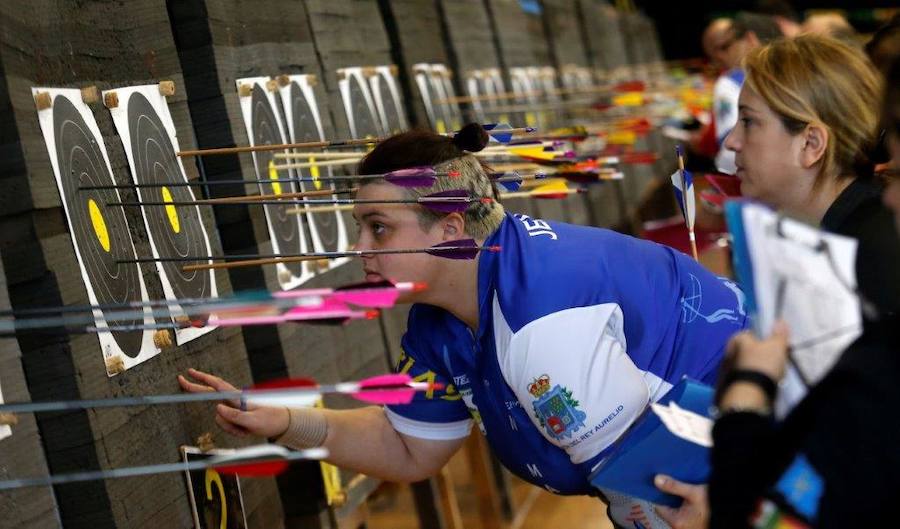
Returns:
(746,122)
(378,228)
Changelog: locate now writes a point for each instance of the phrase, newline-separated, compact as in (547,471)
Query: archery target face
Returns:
(148,135)
(328,229)
(264,127)
(423,82)
(481,83)
(443,90)
(358,104)
(524,90)
(100,234)
(387,100)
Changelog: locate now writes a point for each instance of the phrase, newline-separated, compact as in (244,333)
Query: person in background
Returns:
(834,461)
(783,13)
(809,119)
(806,143)
(831,24)
(716,40)
(748,32)
(885,44)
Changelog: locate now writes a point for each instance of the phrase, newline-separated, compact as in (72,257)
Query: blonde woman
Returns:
(808,118)
(808,121)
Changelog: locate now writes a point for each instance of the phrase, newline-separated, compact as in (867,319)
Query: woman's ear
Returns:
(453,227)
(815,145)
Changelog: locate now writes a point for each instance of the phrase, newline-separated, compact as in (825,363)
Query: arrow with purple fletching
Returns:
(553,189)
(512,180)
(459,249)
(453,200)
(450,201)
(504,132)
(412,177)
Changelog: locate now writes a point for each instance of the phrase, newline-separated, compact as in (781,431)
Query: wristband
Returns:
(307,429)
(759,379)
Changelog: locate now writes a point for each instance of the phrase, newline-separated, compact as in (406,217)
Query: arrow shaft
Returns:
(183,398)
(338,178)
(291,201)
(127,472)
(321,155)
(278,147)
(317,209)
(164,311)
(260,198)
(537,194)
(327,163)
(317,256)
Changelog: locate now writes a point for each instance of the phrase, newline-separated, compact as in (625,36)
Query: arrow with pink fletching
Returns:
(289,392)
(257,307)
(378,295)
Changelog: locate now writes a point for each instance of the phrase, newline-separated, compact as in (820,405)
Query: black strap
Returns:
(763,381)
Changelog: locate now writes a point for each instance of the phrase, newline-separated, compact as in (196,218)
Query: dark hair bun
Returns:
(471,138)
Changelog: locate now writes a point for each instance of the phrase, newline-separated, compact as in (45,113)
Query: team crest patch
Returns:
(556,409)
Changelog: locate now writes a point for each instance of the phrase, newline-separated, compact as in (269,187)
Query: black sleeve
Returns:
(744,450)
(853,443)
(877,272)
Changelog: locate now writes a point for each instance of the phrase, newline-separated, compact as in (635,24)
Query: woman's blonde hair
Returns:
(421,148)
(812,79)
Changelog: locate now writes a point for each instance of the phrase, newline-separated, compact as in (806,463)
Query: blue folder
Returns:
(648,448)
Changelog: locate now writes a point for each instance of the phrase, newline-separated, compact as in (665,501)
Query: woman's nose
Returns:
(732,141)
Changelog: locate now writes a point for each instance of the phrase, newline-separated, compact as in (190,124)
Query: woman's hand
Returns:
(263,421)
(768,356)
(693,513)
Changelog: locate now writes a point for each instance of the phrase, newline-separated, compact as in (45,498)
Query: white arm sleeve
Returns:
(571,373)
(434,431)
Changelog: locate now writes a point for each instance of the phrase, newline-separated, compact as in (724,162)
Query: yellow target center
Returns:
(99,224)
(171,211)
(273,176)
(314,172)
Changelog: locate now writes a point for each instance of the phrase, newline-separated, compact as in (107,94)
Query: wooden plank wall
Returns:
(242,39)
(417,35)
(104,44)
(21,454)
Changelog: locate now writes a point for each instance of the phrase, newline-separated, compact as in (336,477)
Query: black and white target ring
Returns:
(266,132)
(177,232)
(363,116)
(391,114)
(101,233)
(306,129)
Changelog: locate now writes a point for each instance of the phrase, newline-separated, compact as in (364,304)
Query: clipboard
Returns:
(792,271)
(649,448)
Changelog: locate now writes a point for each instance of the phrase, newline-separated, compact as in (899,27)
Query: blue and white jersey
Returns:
(726,93)
(580,328)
